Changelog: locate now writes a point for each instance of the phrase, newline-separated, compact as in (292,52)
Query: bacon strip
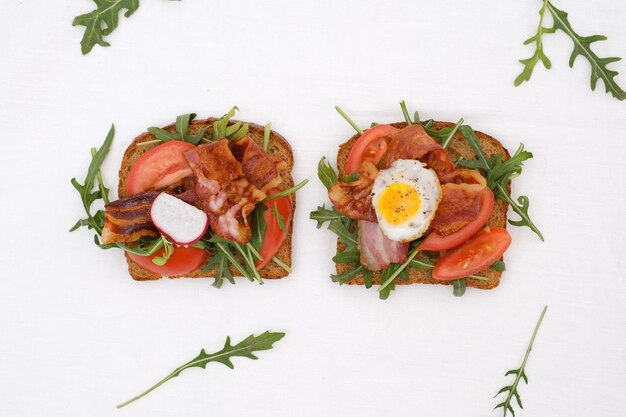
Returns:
(460,203)
(227,196)
(413,142)
(354,199)
(377,251)
(127,220)
(257,165)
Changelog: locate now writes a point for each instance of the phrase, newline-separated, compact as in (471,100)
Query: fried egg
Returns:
(405,197)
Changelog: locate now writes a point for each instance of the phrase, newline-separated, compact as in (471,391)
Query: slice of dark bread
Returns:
(457,148)
(278,146)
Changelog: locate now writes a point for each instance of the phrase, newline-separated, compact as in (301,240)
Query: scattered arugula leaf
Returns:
(245,348)
(520,373)
(498,175)
(405,113)
(582,47)
(102,21)
(352,177)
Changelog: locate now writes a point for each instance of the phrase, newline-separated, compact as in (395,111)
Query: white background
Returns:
(78,336)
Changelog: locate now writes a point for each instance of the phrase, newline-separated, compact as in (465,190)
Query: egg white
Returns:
(424,181)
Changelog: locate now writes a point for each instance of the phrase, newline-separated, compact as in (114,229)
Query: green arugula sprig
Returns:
(582,47)
(102,21)
(520,374)
(222,129)
(499,173)
(245,349)
(181,133)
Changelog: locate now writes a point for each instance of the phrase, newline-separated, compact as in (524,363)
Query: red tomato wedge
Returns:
(482,250)
(182,261)
(435,242)
(274,237)
(159,167)
(371,146)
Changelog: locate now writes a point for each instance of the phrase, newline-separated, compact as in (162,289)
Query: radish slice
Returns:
(182,223)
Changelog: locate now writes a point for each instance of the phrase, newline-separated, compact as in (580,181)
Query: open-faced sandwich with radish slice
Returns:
(198,198)
(421,202)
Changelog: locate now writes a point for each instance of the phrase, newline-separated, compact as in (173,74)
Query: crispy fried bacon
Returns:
(461,200)
(413,142)
(258,166)
(354,199)
(378,251)
(127,220)
(227,196)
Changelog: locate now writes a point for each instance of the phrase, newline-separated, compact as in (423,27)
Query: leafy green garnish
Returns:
(182,131)
(349,120)
(520,373)
(221,129)
(267,130)
(102,21)
(86,191)
(458,287)
(499,173)
(582,47)
(326,173)
(279,218)
(405,113)
(167,252)
(287,192)
(245,348)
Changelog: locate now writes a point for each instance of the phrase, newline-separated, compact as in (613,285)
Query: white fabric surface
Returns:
(78,336)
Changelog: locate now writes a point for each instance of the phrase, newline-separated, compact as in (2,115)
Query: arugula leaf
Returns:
(87,194)
(279,218)
(245,348)
(582,47)
(102,21)
(498,266)
(349,120)
(168,251)
(287,192)
(539,55)
(267,130)
(520,373)
(182,131)
(458,287)
(221,129)
(498,180)
(326,173)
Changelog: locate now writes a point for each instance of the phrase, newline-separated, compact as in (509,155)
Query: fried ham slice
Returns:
(226,194)
(354,199)
(460,203)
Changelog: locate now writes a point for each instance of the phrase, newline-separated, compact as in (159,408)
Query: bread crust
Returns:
(278,146)
(459,147)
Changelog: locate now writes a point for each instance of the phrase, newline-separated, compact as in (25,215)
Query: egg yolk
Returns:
(398,203)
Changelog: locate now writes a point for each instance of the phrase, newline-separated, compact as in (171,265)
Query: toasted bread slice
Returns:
(459,147)
(278,146)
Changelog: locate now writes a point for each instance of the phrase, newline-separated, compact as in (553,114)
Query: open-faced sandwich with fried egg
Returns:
(198,198)
(421,202)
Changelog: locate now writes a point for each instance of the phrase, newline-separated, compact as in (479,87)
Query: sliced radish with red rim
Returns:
(180,222)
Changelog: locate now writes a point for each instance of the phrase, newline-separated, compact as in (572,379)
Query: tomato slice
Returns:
(159,167)
(274,237)
(473,256)
(434,241)
(182,261)
(371,146)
